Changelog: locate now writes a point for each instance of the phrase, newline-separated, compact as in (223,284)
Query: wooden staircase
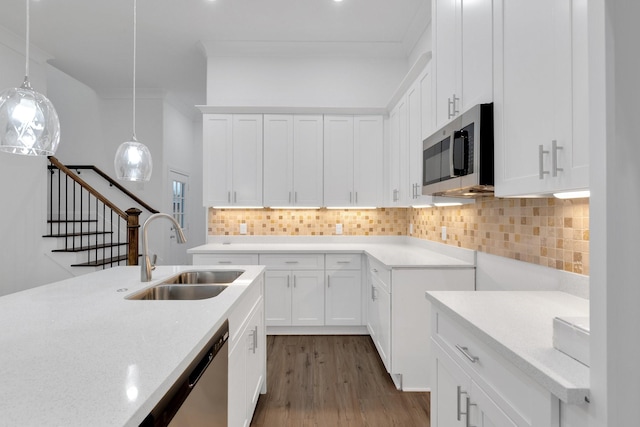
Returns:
(89,225)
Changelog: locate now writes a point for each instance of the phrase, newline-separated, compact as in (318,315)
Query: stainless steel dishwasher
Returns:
(199,397)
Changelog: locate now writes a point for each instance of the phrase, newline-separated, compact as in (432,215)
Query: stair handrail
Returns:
(68,168)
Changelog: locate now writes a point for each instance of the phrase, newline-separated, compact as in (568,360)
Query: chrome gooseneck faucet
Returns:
(147,266)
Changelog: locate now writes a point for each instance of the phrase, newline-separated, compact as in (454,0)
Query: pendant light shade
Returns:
(133,159)
(29,124)
(133,162)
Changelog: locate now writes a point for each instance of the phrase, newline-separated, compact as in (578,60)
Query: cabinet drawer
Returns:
(225,259)
(377,269)
(500,379)
(292,261)
(344,261)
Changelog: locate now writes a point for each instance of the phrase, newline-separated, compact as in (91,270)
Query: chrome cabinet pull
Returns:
(554,158)
(224,262)
(468,413)
(541,153)
(235,197)
(328,281)
(228,196)
(350,197)
(451,106)
(291,262)
(289,196)
(460,393)
(373,293)
(343,262)
(356,197)
(254,332)
(455,103)
(288,281)
(294,281)
(465,352)
(295,197)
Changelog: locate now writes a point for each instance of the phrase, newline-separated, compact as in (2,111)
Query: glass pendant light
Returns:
(29,124)
(133,158)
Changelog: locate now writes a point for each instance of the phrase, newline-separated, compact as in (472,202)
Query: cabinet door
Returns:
(477,53)
(393,158)
(447,57)
(308,136)
(368,133)
(413,152)
(255,345)
(484,411)
(382,325)
(529,115)
(372,311)
(217,132)
(343,298)
(277,290)
(307,298)
(338,161)
(278,160)
(247,160)
(449,391)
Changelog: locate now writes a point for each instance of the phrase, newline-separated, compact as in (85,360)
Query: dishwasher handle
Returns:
(202,366)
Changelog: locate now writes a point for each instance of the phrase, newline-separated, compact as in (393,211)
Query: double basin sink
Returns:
(190,285)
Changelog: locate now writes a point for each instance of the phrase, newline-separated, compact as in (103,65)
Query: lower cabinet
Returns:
(294,298)
(247,359)
(475,386)
(343,294)
(379,318)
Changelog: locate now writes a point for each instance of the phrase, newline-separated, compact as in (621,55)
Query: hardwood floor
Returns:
(333,381)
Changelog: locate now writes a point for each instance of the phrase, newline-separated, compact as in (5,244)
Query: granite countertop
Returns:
(392,255)
(518,325)
(77,353)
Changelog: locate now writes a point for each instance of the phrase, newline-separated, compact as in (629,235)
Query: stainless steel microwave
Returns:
(457,160)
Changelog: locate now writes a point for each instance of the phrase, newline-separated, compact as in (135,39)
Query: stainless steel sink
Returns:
(204,277)
(179,292)
(190,285)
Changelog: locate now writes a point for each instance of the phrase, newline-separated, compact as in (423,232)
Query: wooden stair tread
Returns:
(65,221)
(84,233)
(90,248)
(101,262)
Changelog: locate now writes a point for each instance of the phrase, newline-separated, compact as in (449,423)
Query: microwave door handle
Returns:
(452,171)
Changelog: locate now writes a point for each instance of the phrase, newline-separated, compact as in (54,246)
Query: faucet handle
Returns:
(153,261)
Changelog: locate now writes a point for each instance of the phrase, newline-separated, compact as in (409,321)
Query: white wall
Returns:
(23,263)
(303,81)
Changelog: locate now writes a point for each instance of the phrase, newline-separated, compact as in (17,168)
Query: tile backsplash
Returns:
(548,232)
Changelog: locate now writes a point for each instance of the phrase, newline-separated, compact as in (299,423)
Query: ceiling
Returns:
(92,40)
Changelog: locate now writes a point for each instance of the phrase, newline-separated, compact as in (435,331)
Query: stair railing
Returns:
(78,212)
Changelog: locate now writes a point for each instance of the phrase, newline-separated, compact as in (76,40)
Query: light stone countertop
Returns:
(518,325)
(77,353)
(392,255)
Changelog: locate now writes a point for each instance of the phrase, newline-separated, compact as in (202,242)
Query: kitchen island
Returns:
(78,353)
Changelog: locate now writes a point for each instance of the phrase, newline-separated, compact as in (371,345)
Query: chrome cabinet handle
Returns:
(224,262)
(288,281)
(235,197)
(295,197)
(465,352)
(373,293)
(468,413)
(350,197)
(460,393)
(451,107)
(254,332)
(541,153)
(343,262)
(455,103)
(289,196)
(228,196)
(554,158)
(294,281)
(291,262)
(356,197)
(328,281)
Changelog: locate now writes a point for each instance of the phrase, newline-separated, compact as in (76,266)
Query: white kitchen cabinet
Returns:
(353,161)
(343,294)
(294,289)
(541,97)
(462,38)
(472,380)
(293,160)
(379,310)
(410,347)
(232,160)
(393,158)
(247,357)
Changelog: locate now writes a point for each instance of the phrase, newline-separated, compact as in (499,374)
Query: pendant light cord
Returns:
(135,20)
(26,66)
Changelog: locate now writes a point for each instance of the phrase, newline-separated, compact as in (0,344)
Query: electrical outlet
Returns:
(243,228)
(338,228)
(410,228)
(444,233)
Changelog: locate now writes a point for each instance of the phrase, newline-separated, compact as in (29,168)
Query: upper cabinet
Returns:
(541,97)
(232,160)
(293,160)
(463,56)
(353,148)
